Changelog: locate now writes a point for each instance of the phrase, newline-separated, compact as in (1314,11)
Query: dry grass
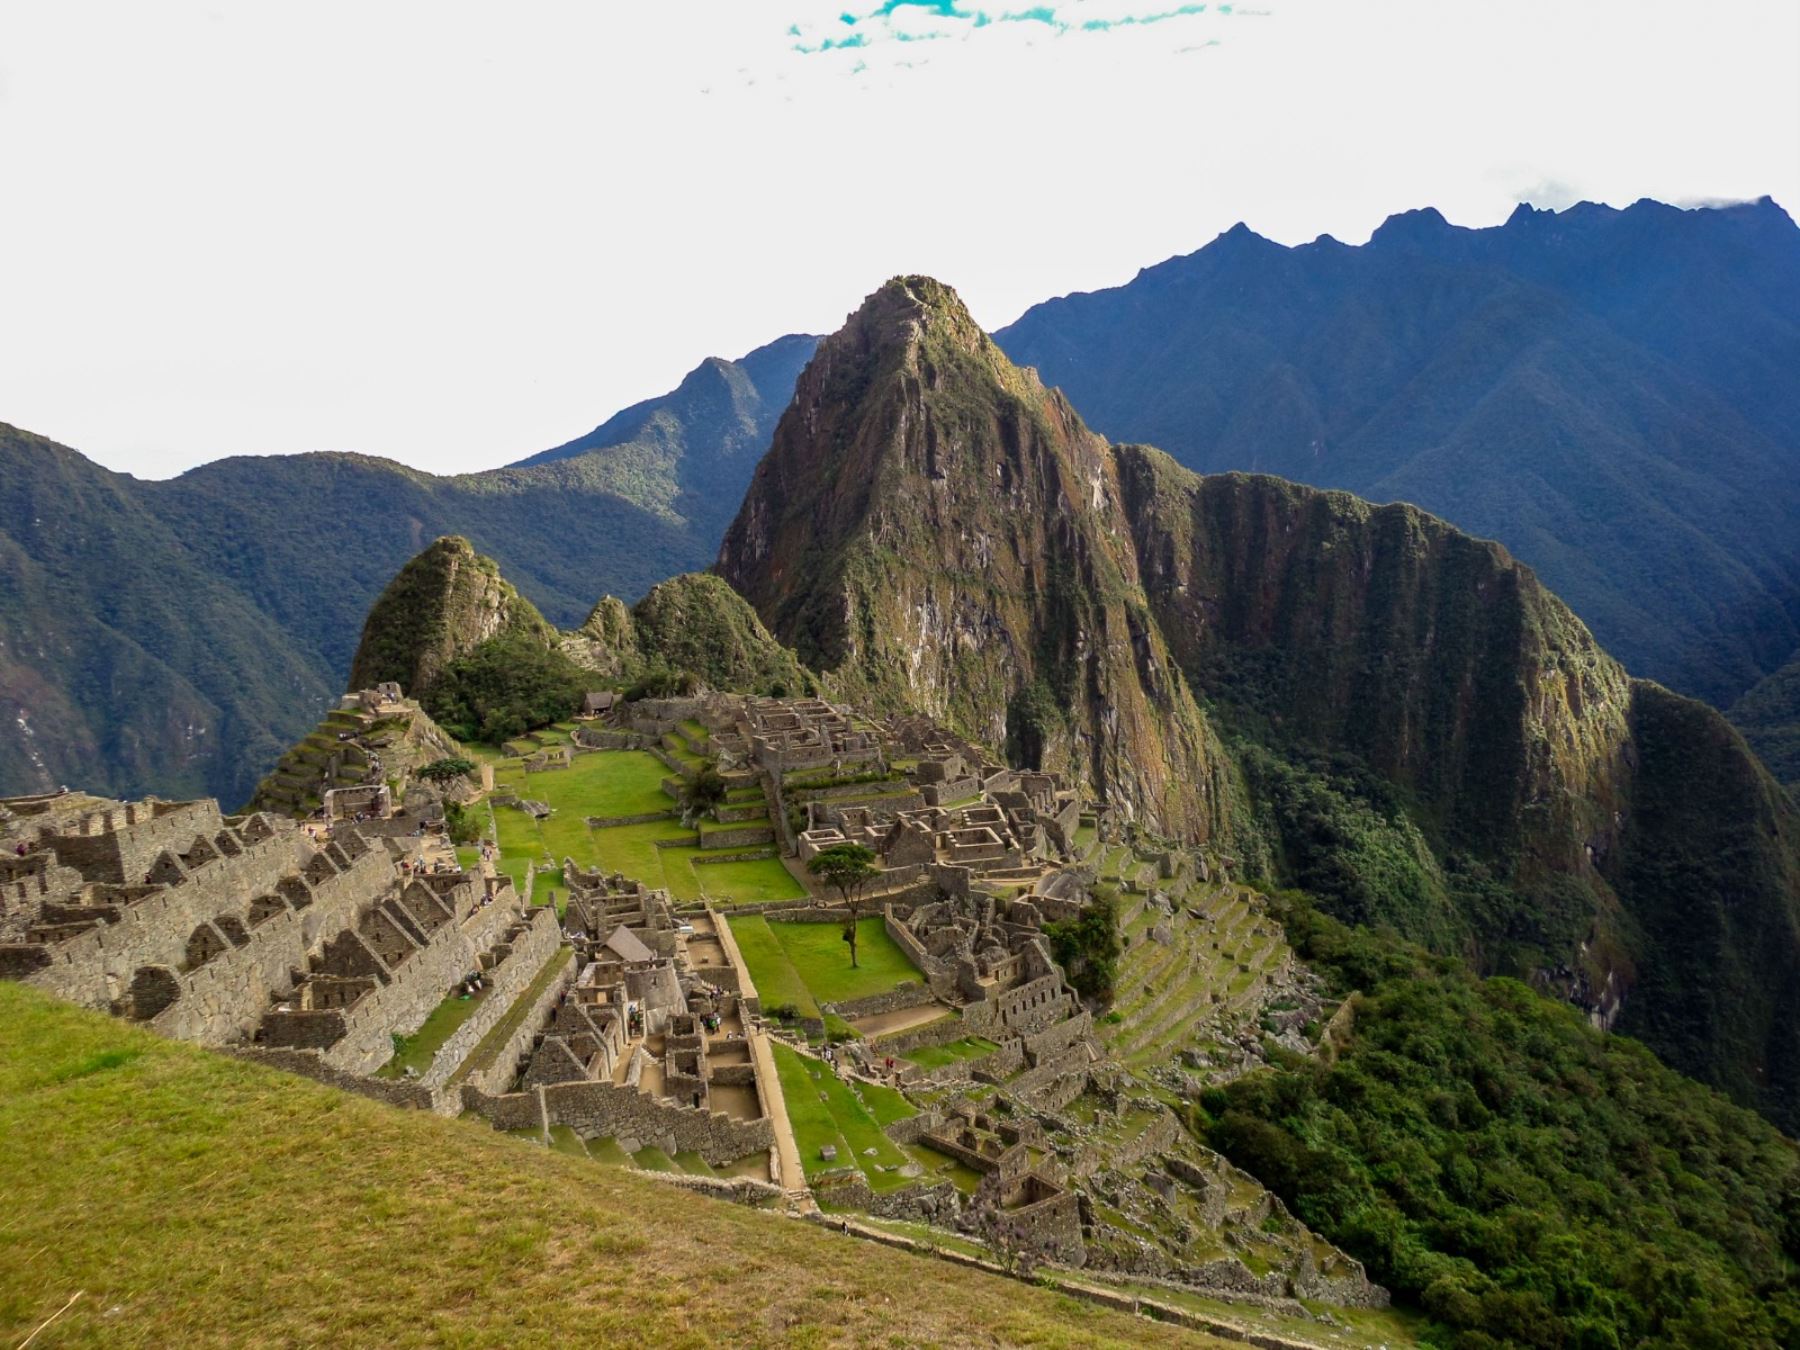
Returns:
(196,1200)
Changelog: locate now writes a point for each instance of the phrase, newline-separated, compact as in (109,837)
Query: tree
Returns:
(1087,946)
(443,770)
(846,868)
(701,793)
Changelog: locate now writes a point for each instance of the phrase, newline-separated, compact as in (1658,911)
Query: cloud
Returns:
(903,21)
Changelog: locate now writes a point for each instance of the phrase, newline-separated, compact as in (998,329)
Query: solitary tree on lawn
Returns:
(846,868)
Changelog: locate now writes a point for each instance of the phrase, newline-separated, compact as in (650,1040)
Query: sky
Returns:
(456,235)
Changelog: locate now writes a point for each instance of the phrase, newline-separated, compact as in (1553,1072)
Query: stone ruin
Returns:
(241,931)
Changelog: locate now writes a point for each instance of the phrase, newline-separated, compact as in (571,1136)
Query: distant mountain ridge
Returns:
(176,636)
(1609,393)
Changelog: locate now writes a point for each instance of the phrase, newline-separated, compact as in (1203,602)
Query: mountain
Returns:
(1608,393)
(938,529)
(690,452)
(1769,716)
(173,637)
(442,605)
(1362,699)
(450,609)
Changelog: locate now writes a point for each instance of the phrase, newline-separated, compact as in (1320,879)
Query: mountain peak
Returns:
(905,308)
(446,601)
(1413,227)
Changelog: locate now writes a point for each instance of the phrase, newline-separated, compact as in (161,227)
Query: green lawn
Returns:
(605,783)
(754,881)
(502,1031)
(822,957)
(805,964)
(625,783)
(777,983)
(160,1194)
(631,849)
(521,847)
(824,1109)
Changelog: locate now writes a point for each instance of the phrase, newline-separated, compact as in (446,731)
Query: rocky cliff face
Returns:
(1382,631)
(442,604)
(936,530)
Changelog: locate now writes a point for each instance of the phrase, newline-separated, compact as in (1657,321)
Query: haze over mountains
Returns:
(1603,391)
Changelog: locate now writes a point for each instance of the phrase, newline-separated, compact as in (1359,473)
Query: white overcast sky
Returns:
(456,235)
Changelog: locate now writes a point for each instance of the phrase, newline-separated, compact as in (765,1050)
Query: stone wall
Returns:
(512,1111)
(419,984)
(938,1203)
(309,1064)
(760,835)
(540,941)
(274,919)
(908,994)
(121,844)
(95,967)
(1049,1227)
(607,1110)
(496,1075)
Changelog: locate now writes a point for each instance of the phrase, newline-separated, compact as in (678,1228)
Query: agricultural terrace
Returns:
(660,852)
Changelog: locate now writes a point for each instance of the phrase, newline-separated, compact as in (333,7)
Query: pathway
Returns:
(793,1176)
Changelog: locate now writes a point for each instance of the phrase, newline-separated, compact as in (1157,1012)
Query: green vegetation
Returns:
(824,1109)
(778,983)
(443,770)
(937,1056)
(143,1173)
(1769,716)
(1527,1180)
(846,868)
(817,951)
(416,1051)
(504,687)
(502,1031)
(801,965)
(1087,946)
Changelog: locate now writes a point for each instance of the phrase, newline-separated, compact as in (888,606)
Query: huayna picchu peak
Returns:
(938,531)
(1229,658)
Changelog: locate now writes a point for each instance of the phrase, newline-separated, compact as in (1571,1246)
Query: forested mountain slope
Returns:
(175,636)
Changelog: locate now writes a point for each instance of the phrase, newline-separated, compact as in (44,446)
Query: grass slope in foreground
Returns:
(194,1199)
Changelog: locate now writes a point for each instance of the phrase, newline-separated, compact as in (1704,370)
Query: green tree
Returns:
(505,687)
(1087,947)
(701,793)
(463,825)
(846,868)
(443,770)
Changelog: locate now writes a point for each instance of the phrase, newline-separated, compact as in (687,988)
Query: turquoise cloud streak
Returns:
(961,16)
